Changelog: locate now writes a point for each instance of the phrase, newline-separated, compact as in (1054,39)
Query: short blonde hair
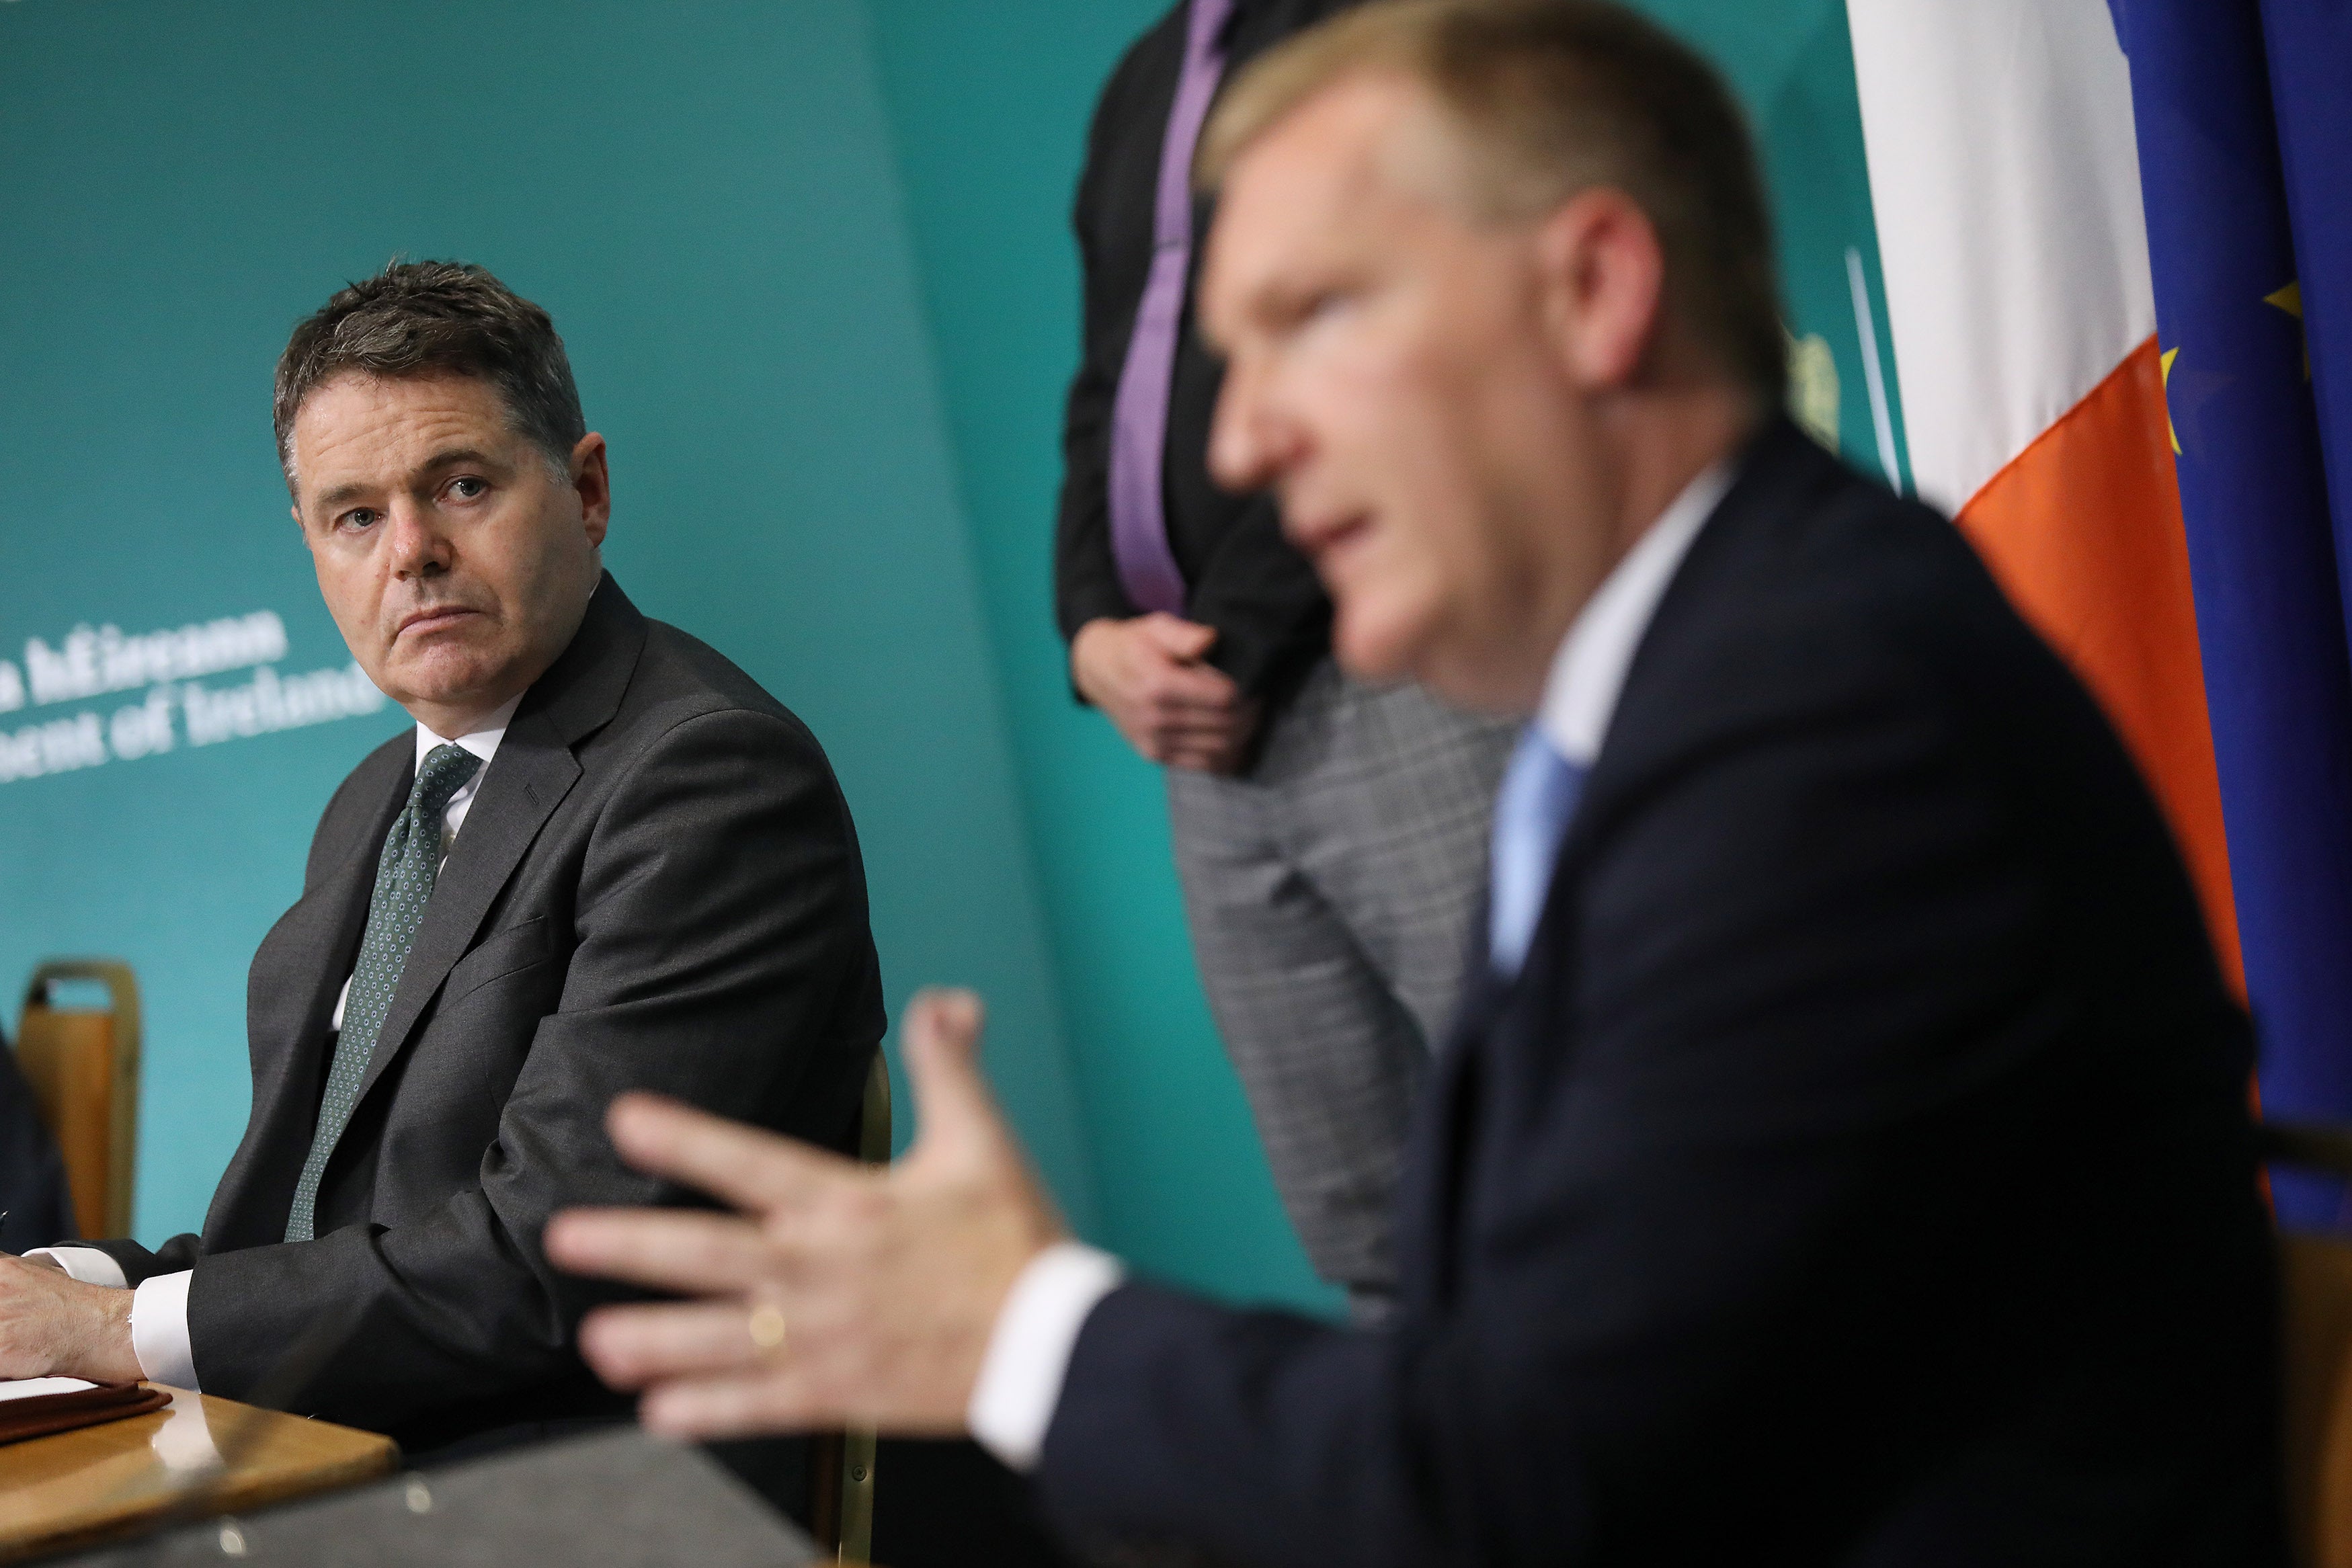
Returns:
(1551,98)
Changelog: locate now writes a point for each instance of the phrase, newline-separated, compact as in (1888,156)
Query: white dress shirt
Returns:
(159,1310)
(1037,1330)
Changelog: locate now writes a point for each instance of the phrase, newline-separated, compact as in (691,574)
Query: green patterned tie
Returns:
(403,882)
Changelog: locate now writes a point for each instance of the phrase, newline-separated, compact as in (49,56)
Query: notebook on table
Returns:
(36,1406)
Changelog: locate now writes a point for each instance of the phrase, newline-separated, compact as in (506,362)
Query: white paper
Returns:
(32,1387)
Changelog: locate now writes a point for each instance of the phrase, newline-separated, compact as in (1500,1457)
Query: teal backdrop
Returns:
(705,199)
(812,260)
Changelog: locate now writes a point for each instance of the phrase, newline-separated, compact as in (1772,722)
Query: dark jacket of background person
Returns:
(1241,577)
(1858,1171)
(658,887)
(33,1191)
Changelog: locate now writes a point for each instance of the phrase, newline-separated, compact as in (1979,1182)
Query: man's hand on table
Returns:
(53,1325)
(1150,676)
(885,1284)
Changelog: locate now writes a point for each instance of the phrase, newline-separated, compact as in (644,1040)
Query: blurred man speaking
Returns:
(602,859)
(1841,1157)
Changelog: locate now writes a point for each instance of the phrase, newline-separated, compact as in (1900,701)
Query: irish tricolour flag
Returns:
(2006,183)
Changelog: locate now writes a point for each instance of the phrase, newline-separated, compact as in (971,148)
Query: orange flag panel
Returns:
(2083,529)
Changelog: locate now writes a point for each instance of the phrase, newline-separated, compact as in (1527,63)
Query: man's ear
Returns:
(1604,276)
(591,479)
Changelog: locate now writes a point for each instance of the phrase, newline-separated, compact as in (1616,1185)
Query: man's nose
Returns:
(1246,435)
(419,547)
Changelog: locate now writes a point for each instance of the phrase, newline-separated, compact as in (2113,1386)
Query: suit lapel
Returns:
(297,975)
(534,769)
(1432,1194)
(528,779)
(1779,461)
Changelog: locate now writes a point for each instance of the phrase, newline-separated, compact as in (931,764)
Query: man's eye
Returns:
(468,488)
(1328,303)
(1308,309)
(359,518)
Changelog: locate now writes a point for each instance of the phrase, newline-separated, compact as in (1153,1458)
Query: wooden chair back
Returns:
(2316,1274)
(82,1065)
(841,1465)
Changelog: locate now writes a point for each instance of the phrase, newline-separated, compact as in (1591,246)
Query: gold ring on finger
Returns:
(767,1328)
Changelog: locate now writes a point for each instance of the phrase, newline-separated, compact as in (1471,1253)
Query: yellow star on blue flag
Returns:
(2290,299)
(2170,429)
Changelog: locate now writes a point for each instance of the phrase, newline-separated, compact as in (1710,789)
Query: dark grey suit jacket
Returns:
(658,887)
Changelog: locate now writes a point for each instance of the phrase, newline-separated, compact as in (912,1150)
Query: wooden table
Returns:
(200,1457)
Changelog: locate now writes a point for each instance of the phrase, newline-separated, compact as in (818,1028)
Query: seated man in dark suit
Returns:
(1841,1157)
(604,859)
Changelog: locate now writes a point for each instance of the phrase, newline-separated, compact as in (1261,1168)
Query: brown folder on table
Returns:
(38,1415)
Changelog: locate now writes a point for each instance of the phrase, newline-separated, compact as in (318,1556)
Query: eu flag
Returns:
(2244,123)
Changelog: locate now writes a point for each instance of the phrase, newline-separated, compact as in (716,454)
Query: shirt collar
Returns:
(1588,673)
(483,742)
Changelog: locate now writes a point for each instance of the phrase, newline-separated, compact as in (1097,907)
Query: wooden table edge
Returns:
(375,1454)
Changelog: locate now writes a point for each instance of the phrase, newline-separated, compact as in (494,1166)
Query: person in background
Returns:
(1842,1156)
(601,858)
(32,1175)
(1328,832)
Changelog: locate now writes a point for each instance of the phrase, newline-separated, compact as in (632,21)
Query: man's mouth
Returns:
(435,617)
(1327,536)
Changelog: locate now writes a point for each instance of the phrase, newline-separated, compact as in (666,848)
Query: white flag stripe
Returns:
(2006,186)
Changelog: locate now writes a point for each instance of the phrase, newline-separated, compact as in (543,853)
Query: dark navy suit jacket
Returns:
(1857,1173)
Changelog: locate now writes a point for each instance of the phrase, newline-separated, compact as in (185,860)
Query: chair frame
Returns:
(2316,1416)
(841,1464)
(122,1105)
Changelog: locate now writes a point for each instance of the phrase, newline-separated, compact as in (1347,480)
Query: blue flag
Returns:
(2245,127)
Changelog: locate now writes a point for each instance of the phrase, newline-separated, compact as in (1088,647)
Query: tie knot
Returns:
(447,769)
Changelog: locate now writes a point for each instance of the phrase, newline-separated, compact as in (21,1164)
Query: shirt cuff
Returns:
(1029,1349)
(159,1330)
(87,1264)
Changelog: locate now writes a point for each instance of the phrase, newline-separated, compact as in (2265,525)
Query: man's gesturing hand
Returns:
(887,1282)
(53,1325)
(1148,675)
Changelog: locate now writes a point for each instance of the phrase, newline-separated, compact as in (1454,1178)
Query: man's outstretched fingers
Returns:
(736,1406)
(750,1168)
(631,1347)
(952,1101)
(666,1248)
